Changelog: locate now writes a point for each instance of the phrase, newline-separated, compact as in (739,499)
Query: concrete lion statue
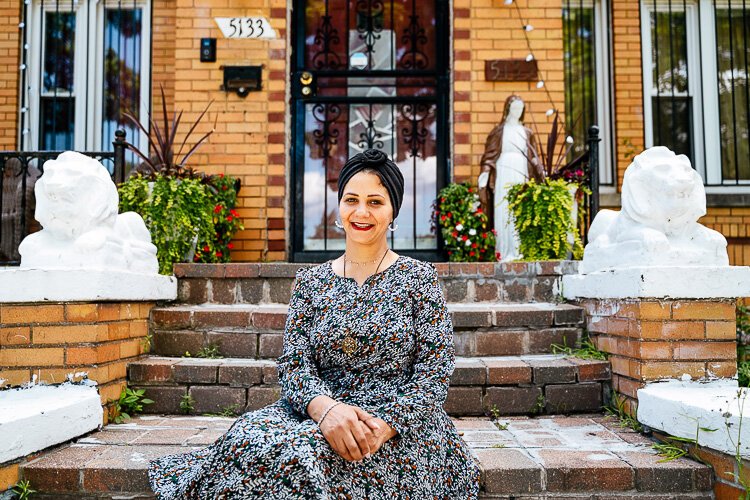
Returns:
(77,205)
(662,200)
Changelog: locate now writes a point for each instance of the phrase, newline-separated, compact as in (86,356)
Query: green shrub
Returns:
(463,224)
(130,403)
(542,212)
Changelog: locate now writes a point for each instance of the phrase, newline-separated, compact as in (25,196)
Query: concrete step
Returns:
(540,458)
(256,330)
(543,384)
(257,283)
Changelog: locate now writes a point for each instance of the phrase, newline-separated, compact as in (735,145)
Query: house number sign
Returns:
(510,70)
(245,27)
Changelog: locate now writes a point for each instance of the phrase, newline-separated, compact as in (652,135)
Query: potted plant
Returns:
(463,225)
(546,211)
(190,215)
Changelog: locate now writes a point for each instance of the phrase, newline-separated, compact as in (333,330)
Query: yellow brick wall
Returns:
(250,133)
(488,29)
(10,12)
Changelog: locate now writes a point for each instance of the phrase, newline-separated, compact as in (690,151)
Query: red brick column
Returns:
(650,339)
(49,341)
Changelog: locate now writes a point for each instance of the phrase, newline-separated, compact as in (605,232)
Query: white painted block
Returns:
(35,418)
(688,282)
(83,285)
(679,407)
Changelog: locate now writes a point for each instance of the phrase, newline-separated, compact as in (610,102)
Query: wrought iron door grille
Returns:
(378,79)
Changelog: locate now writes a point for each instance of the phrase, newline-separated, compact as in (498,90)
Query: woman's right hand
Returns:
(347,434)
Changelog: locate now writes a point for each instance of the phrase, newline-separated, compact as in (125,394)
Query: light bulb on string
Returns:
(540,84)
(569,139)
(530,58)
(508,2)
(528,27)
(550,112)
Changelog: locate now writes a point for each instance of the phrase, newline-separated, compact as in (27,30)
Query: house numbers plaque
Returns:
(510,70)
(245,27)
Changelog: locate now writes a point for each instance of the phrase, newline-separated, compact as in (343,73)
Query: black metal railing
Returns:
(589,206)
(19,171)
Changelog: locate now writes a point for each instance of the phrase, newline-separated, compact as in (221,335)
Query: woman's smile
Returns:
(361,226)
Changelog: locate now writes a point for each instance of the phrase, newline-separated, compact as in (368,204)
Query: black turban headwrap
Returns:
(383,167)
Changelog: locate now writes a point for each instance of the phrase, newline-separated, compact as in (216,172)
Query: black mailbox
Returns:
(242,79)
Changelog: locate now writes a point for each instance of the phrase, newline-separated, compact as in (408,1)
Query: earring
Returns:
(391,227)
(338,224)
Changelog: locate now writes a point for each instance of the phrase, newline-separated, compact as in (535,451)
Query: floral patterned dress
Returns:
(399,371)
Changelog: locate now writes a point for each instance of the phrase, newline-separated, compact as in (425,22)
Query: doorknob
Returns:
(306,78)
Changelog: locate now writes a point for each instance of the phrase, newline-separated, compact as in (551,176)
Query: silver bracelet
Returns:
(325,412)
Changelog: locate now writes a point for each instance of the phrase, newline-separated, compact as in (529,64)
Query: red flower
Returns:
(449,214)
(230,245)
(218,208)
(206,249)
(450,253)
(229,218)
(479,211)
(196,257)
(482,250)
(471,254)
(224,188)
(464,238)
(497,255)
(484,235)
(494,231)
(442,200)
(470,190)
(442,217)
(221,175)
(218,253)
(474,245)
(454,234)
(234,212)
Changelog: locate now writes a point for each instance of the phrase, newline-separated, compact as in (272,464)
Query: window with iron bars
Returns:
(695,81)
(588,70)
(85,63)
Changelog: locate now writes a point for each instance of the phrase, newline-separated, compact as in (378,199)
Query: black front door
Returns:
(368,74)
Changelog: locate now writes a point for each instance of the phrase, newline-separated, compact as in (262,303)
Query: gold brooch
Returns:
(349,345)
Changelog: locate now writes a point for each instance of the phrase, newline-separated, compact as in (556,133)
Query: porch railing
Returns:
(19,171)
(589,206)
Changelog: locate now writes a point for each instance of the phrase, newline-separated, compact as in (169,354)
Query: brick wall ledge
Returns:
(683,282)
(37,417)
(445,269)
(678,407)
(83,285)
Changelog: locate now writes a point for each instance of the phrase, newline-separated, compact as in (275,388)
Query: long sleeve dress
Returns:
(399,372)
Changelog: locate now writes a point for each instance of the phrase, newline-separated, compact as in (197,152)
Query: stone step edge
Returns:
(274,316)
(444,269)
(538,370)
(243,342)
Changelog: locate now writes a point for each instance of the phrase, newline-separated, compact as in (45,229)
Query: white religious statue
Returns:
(509,158)
(662,200)
(77,205)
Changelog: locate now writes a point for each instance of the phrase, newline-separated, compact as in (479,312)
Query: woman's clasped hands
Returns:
(352,432)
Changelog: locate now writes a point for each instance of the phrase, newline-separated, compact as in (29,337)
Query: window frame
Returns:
(88,83)
(702,86)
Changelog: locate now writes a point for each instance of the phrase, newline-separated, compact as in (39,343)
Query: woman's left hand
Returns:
(382,431)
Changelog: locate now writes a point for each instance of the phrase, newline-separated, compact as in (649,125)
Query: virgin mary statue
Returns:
(509,158)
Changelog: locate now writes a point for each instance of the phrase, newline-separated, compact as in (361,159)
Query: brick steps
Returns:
(257,283)
(532,458)
(256,331)
(549,384)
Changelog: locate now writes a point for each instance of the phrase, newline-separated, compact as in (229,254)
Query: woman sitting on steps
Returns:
(368,353)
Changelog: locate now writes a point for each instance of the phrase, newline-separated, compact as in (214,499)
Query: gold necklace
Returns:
(350,345)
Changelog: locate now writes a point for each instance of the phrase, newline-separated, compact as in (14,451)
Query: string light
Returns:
(527,27)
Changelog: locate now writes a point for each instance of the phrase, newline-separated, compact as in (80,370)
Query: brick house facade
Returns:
(253,137)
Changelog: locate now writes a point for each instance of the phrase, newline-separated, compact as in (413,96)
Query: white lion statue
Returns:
(662,200)
(76,204)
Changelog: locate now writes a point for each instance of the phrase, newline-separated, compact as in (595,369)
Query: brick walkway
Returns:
(545,457)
